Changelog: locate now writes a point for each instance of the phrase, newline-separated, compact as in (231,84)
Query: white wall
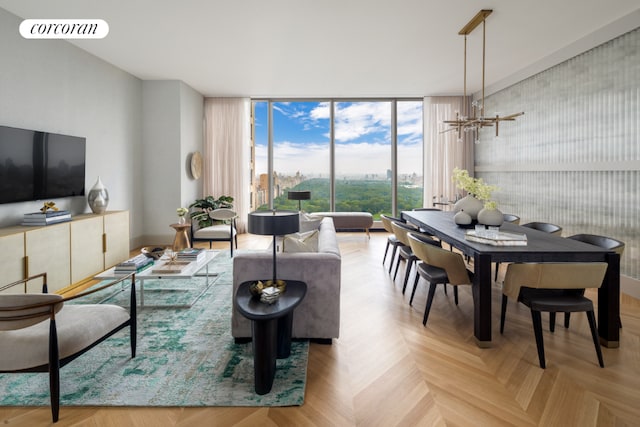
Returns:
(53,86)
(172,129)
(139,134)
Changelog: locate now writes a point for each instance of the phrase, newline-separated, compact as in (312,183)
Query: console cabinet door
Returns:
(116,230)
(49,250)
(86,248)
(12,260)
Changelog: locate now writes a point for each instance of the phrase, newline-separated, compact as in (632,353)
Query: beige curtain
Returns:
(226,152)
(442,151)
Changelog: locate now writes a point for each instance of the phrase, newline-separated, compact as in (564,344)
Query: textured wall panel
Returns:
(573,158)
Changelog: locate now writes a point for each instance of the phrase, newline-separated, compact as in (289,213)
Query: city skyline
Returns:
(362,138)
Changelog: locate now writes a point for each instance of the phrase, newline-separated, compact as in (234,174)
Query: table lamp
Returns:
(299,195)
(274,223)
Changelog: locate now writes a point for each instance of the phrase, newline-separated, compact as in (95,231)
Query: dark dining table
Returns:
(540,247)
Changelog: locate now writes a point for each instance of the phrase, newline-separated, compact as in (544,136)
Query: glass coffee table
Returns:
(163,269)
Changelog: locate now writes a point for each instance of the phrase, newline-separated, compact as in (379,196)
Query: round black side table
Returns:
(271,326)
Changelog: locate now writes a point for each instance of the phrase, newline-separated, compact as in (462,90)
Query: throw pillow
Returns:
(301,242)
(309,222)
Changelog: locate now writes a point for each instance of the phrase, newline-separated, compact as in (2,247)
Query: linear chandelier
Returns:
(477,120)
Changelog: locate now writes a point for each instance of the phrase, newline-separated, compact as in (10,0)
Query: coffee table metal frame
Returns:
(193,269)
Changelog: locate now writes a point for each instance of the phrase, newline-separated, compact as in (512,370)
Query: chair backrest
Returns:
(545,226)
(386,222)
(222,214)
(401,231)
(601,241)
(434,255)
(19,311)
(513,219)
(565,275)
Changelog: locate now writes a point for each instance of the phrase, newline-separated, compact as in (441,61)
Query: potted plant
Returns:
(206,205)
(478,191)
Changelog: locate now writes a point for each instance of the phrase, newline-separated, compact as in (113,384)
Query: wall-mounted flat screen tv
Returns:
(36,165)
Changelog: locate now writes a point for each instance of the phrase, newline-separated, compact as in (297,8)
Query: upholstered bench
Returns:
(350,220)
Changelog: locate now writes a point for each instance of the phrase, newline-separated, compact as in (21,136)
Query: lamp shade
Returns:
(273,223)
(299,195)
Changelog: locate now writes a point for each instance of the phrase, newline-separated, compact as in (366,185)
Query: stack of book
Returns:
(135,264)
(191,254)
(46,218)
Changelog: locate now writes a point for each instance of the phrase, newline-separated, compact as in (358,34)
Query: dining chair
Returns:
(401,231)
(39,332)
(553,287)
(540,226)
(544,226)
(513,219)
(392,240)
(609,243)
(437,266)
(225,230)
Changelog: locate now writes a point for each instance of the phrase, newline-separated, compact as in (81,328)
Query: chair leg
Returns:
(497,268)
(384,258)
(397,266)
(455,294)
(567,318)
(54,371)
(393,256)
(537,330)
(594,334)
(415,285)
(503,312)
(552,321)
(432,292)
(407,273)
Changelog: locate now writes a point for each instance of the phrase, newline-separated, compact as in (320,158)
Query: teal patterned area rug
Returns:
(185,357)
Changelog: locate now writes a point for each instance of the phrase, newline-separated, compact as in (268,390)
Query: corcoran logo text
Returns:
(64,29)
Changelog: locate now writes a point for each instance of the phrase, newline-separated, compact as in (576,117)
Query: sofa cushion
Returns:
(301,242)
(309,222)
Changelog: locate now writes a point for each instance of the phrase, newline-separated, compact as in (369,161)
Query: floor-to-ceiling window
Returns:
(352,155)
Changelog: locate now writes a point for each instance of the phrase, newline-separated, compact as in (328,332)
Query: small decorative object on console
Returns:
(269,295)
(98,197)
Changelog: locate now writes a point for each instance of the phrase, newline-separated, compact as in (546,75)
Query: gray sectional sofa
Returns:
(318,315)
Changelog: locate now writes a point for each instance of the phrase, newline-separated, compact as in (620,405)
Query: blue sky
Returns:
(362,133)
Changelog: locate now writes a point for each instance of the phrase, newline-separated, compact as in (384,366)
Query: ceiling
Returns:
(331,48)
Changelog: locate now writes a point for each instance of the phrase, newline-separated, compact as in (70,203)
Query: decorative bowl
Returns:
(155,252)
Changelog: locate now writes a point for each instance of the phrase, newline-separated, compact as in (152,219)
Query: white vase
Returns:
(462,218)
(492,217)
(470,205)
(181,219)
(98,197)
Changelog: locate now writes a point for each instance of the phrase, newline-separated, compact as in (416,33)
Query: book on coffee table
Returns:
(170,267)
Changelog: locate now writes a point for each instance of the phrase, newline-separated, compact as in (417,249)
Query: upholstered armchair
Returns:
(224,230)
(39,332)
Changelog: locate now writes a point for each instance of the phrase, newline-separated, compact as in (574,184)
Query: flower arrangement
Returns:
(475,186)
(182,211)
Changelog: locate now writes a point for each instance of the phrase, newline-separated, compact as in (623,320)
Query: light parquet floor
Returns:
(386,369)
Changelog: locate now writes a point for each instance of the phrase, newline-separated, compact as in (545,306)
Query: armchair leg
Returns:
(54,372)
(537,330)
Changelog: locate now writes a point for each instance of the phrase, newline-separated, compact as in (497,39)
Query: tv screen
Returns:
(37,165)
